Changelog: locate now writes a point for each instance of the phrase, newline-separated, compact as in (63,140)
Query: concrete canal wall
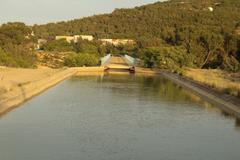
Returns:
(13,98)
(227,103)
(22,93)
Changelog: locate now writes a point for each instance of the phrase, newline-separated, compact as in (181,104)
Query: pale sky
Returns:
(44,11)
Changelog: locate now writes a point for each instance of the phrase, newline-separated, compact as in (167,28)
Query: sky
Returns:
(44,11)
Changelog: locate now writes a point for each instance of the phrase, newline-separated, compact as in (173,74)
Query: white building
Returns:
(117,42)
(75,38)
(69,39)
(84,37)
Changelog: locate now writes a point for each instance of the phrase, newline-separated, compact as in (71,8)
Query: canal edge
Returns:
(198,89)
(15,98)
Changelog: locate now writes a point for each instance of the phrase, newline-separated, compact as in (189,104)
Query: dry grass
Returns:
(223,81)
(51,59)
(11,78)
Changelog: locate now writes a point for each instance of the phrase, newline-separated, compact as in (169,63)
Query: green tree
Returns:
(79,60)
(58,45)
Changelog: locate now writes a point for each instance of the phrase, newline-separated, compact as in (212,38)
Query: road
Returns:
(117,63)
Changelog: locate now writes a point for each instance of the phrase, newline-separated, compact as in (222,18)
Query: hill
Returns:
(206,29)
(192,33)
(160,19)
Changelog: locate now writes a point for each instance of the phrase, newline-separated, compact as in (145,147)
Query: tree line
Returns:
(171,34)
(17,45)
(208,37)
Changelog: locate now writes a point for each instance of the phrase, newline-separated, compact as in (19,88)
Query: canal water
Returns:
(118,117)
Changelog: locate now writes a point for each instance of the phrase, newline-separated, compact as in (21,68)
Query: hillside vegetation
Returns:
(209,39)
(220,80)
(16,45)
(169,35)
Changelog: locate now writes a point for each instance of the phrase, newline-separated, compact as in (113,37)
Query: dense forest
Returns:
(171,34)
(16,45)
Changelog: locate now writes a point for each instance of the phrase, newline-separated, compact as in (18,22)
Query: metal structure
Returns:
(104,60)
(119,63)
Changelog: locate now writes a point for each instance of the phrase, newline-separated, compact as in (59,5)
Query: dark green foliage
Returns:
(58,45)
(17,57)
(164,20)
(174,33)
(207,36)
(167,57)
(16,33)
(16,45)
(84,46)
(79,60)
(6,59)
(129,49)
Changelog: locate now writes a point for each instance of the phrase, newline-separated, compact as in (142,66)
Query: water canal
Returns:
(118,117)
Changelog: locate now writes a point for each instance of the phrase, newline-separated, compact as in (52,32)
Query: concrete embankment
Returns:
(139,70)
(24,91)
(88,71)
(227,103)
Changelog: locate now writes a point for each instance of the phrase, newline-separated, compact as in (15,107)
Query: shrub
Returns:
(58,45)
(17,57)
(167,57)
(81,59)
(6,59)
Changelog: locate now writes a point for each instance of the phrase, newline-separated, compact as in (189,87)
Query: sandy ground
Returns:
(12,78)
(18,85)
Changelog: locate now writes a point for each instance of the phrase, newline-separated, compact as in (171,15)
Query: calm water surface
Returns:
(118,117)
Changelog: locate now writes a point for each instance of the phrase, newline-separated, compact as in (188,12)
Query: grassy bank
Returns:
(218,79)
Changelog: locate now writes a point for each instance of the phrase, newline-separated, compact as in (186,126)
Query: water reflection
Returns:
(118,117)
(226,114)
(158,88)
(237,124)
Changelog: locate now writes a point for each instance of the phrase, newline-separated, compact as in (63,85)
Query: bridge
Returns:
(118,63)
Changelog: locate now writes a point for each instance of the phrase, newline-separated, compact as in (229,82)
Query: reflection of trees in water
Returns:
(237,124)
(167,90)
(145,88)
(86,78)
(226,114)
(162,88)
(148,88)
(232,117)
